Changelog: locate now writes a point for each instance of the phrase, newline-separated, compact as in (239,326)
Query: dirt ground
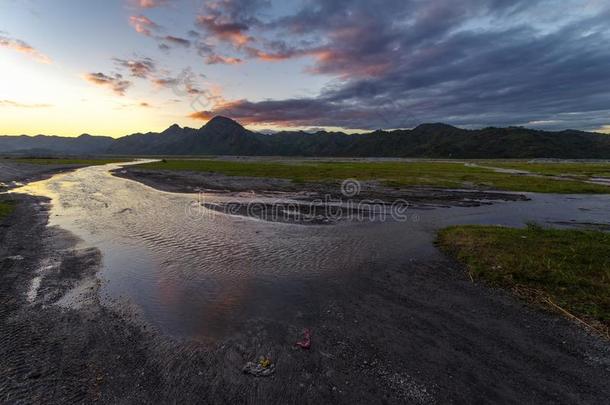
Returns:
(416,333)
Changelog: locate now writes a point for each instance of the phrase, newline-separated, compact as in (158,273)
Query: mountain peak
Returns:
(220,123)
(435,127)
(174,127)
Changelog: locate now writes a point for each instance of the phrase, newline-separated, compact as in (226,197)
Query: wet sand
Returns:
(193,182)
(13,174)
(414,332)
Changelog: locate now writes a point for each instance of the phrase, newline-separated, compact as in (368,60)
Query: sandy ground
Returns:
(422,333)
(11,172)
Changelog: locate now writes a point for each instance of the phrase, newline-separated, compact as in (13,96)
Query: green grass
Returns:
(583,170)
(5,209)
(61,161)
(435,174)
(567,268)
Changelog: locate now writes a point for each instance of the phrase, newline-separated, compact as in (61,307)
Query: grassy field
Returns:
(583,170)
(5,209)
(61,161)
(435,174)
(564,270)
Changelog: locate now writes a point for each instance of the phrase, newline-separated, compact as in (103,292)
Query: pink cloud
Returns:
(151,3)
(219,59)
(23,47)
(143,25)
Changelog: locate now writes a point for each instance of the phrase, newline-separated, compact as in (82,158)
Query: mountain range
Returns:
(223,136)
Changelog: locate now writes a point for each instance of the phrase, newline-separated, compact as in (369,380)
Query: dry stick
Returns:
(569,315)
(544,298)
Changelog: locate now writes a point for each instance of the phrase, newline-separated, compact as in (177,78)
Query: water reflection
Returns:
(198,277)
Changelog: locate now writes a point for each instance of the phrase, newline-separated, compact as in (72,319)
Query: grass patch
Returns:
(583,170)
(6,207)
(62,161)
(567,269)
(434,174)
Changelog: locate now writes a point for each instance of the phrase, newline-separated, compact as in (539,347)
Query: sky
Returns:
(116,67)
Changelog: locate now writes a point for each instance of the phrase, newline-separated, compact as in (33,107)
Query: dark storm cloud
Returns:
(398,63)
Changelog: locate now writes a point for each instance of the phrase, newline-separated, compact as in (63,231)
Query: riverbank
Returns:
(446,174)
(413,332)
(196,181)
(13,174)
(309,203)
(17,171)
(564,271)
(51,353)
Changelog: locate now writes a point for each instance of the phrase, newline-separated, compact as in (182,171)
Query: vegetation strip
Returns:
(6,207)
(567,271)
(572,169)
(399,174)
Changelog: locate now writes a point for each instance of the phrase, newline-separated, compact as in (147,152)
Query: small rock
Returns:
(263,368)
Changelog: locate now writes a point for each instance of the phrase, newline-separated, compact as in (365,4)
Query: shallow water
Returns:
(197,273)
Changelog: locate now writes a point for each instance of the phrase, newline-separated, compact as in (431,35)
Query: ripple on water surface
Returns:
(193,276)
(197,276)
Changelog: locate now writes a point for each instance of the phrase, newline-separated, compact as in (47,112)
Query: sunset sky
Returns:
(116,67)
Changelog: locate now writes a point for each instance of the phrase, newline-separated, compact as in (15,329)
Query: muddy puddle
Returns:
(199,273)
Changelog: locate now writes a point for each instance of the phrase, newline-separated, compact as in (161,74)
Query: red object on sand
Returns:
(306,342)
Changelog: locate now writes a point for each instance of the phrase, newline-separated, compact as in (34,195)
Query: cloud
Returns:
(222,22)
(230,20)
(234,33)
(141,68)
(144,104)
(16,104)
(397,63)
(165,82)
(23,47)
(211,57)
(143,25)
(169,39)
(185,84)
(295,112)
(115,82)
(219,59)
(150,3)
(201,115)
(604,129)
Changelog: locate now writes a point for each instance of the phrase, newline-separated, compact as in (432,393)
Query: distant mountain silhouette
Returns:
(41,144)
(223,136)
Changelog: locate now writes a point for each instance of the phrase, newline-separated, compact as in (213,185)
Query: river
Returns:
(196,274)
